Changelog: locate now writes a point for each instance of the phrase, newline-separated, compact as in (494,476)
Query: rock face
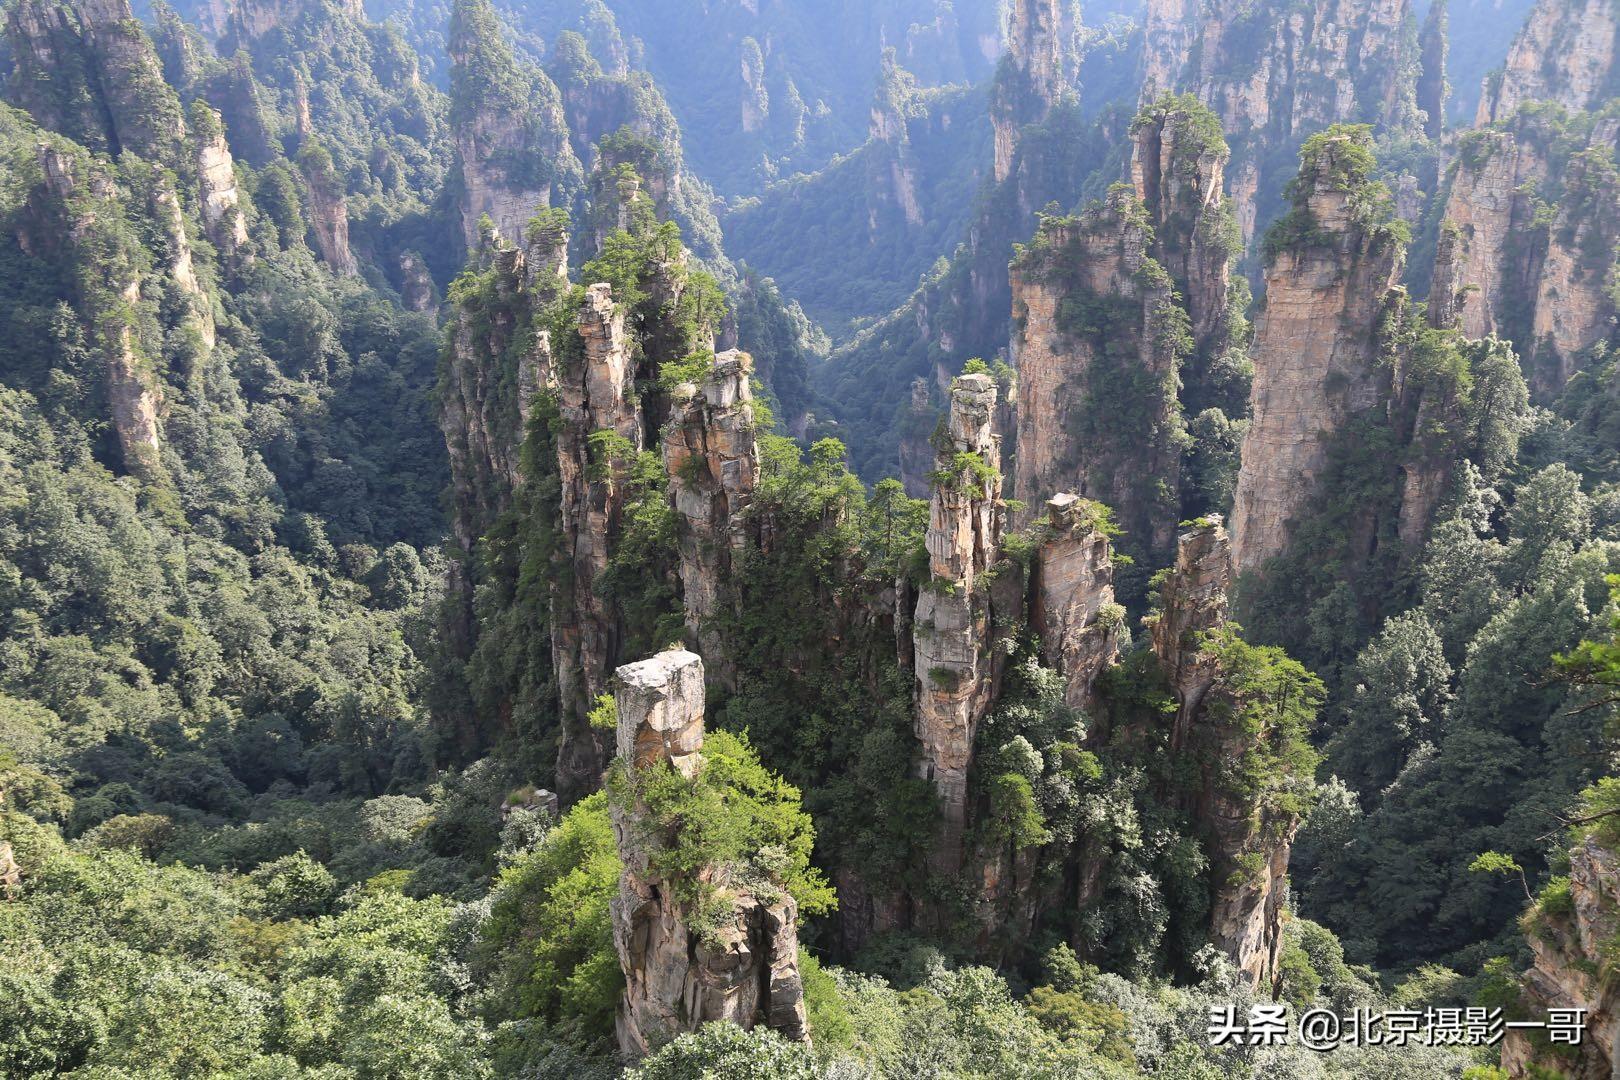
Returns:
(593,398)
(745,970)
(416,289)
(328,210)
(1275,74)
(1565,53)
(1570,951)
(1316,354)
(80,203)
(1096,340)
(217,194)
(1192,601)
(951,633)
(1529,216)
(713,466)
(1039,33)
(510,131)
(1073,608)
(1248,844)
(119,102)
(1177,167)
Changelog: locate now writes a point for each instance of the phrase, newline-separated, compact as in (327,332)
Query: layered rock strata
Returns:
(1073,607)
(599,432)
(1095,340)
(1572,952)
(713,463)
(743,971)
(1316,353)
(951,655)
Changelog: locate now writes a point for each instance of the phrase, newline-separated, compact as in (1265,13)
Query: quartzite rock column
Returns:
(592,398)
(1074,609)
(713,465)
(951,635)
(677,978)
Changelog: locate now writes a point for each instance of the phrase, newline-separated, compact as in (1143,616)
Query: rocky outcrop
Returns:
(328,209)
(77,206)
(1316,348)
(218,198)
(88,70)
(1565,53)
(1098,337)
(713,467)
(1177,168)
(1035,71)
(510,131)
(916,428)
(1275,73)
(951,632)
(1534,221)
(741,968)
(1192,601)
(1073,610)
(1572,957)
(416,289)
(599,431)
(10,872)
(1432,90)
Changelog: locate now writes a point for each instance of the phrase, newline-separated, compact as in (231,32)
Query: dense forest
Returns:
(807,539)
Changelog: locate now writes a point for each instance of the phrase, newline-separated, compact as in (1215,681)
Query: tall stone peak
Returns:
(1332,275)
(713,462)
(88,70)
(510,130)
(1192,601)
(1097,330)
(1273,73)
(1565,53)
(1073,606)
(951,657)
(681,970)
(1036,72)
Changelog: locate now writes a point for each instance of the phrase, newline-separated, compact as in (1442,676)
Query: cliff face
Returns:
(1275,74)
(328,210)
(1564,53)
(1532,217)
(951,632)
(1192,602)
(1248,842)
(88,70)
(593,397)
(1073,608)
(1098,339)
(217,195)
(1316,351)
(510,131)
(1035,72)
(76,214)
(743,966)
(1570,949)
(713,466)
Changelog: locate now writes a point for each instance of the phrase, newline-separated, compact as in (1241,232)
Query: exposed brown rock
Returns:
(713,468)
(1192,601)
(1074,610)
(1033,74)
(1571,953)
(951,660)
(744,971)
(1277,73)
(1564,53)
(416,290)
(328,211)
(1123,351)
(1315,359)
(593,385)
(218,196)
